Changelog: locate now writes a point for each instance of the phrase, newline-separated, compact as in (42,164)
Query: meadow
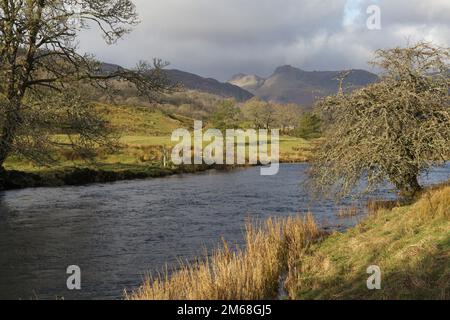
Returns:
(143,141)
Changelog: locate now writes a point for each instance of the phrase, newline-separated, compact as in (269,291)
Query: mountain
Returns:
(247,82)
(109,67)
(192,81)
(292,85)
(195,82)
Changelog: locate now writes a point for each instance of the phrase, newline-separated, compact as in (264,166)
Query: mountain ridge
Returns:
(195,82)
(288,84)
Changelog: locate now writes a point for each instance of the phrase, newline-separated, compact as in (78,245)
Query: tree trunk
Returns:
(5,146)
(8,133)
(411,187)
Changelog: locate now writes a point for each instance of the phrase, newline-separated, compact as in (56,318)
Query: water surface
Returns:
(117,232)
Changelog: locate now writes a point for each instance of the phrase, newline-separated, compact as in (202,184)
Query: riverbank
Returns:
(85,175)
(103,173)
(410,244)
(143,151)
(73,176)
(20,176)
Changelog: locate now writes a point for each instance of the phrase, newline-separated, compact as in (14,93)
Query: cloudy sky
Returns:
(219,38)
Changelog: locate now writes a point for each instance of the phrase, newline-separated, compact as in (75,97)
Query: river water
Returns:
(118,232)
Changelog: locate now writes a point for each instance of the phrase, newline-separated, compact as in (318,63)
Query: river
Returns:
(117,232)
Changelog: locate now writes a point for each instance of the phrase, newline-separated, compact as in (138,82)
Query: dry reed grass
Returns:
(252,272)
(375,206)
(404,240)
(348,212)
(434,203)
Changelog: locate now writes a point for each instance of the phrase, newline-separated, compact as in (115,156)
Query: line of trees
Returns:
(259,114)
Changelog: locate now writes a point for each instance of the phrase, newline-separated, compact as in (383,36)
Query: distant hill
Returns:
(109,67)
(286,85)
(292,85)
(247,82)
(194,82)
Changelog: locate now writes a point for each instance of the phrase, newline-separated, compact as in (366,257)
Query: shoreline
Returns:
(80,176)
(296,260)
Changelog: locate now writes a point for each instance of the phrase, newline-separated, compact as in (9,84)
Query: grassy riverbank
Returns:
(61,176)
(143,151)
(411,245)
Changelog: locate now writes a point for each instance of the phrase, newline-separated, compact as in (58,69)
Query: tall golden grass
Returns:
(407,242)
(434,203)
(375,206)
(348,212)
(249,273)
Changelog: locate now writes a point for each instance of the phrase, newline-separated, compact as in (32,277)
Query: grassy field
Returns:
(141,131)
(411,245)
(144,150)
(144,136)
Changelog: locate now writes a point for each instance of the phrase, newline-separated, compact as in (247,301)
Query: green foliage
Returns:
(262,114)
(309,126)
(226,116)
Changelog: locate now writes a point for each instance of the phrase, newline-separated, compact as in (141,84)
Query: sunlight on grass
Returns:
(144,135)
(410,244)
(252,272)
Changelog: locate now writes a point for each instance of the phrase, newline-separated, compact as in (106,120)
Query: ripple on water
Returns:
(117,232)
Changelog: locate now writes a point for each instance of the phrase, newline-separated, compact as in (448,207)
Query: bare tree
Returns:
(44,80)
(287,116)
(226,116)
(392,130)
(261,113)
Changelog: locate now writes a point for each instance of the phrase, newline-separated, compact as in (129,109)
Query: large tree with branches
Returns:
(44,81)
(392,130)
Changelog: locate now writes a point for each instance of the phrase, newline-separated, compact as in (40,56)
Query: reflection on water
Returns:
(119,231)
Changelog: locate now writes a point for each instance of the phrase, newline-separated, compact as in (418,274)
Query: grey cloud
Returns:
(218,38)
